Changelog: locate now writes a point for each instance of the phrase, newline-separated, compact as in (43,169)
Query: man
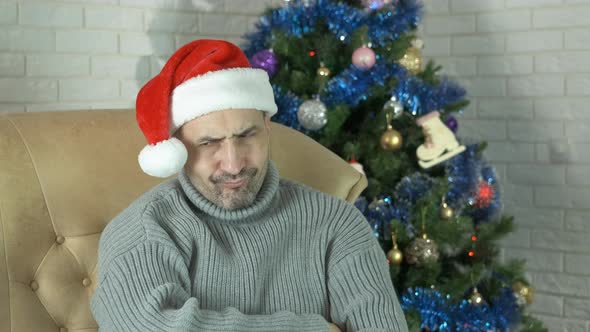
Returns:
(228,245)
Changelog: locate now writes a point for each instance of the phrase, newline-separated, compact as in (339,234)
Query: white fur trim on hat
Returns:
(163,159)
(221,89)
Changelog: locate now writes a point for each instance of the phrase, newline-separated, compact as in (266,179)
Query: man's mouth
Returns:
(234,183)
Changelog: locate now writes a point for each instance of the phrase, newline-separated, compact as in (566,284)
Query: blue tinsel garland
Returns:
(352,86)
(299,17)
(422,98)
(464,173)
(439,312)
(386,26)
(288,103)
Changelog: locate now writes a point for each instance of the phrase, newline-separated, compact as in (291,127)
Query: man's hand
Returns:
(334,328)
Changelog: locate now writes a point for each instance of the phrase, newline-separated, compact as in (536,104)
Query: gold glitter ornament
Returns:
(476,298)
(421,250)
(446,212)
(524,294)
(412,59)
(323,71)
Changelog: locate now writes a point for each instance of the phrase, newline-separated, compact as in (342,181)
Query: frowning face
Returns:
(228,154)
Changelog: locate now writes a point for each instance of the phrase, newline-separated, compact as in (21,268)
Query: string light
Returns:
(471,252)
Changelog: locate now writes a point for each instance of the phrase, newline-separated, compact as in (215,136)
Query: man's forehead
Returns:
(214,132)
(222,123)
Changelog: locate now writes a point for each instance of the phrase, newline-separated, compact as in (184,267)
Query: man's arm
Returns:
(362,297)
(148,289)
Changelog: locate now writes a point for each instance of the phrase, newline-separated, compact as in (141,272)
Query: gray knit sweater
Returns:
(293,261)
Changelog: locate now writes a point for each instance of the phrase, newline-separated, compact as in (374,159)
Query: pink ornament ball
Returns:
(363,58)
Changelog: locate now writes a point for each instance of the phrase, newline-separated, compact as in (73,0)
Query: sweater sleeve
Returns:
(362,296)
(148,289)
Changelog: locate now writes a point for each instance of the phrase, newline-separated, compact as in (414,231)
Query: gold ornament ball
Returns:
(391,140)
(412,60)
(523,291)
(323,71)
(395,256)
(476,298)
(446,212)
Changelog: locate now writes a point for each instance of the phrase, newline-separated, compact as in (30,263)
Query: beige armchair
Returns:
(65,175)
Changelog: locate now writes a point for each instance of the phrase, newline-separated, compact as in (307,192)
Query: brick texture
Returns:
(531,97)
(81,54)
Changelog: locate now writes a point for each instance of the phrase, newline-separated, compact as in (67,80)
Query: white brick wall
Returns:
(527,72)
(91,54)
(50,15)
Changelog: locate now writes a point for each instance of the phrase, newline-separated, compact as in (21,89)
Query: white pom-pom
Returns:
(164,159)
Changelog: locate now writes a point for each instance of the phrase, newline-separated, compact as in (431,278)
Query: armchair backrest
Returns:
(65,175)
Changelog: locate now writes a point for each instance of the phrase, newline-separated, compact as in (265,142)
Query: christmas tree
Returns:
(350,75)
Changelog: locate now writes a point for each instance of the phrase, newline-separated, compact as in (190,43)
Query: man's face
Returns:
(228,154)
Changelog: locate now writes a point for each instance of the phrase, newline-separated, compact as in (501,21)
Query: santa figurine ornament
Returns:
(201,77)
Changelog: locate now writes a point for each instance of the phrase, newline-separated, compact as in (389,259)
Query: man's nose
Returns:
(232,158)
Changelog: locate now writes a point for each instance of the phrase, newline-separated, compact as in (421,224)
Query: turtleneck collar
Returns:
(261,204)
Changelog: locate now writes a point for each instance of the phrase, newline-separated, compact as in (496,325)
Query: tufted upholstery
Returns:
(64,176)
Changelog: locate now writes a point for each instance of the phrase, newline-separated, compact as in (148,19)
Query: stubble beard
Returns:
(239,198)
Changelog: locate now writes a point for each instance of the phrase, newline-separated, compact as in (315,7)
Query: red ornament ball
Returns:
(485,195)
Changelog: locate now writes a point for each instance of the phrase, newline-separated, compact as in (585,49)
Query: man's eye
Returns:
(249,134)
(207,143)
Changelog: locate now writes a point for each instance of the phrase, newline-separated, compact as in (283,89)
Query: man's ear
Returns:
(267,123)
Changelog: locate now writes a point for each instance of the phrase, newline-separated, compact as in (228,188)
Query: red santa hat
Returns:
(201,77)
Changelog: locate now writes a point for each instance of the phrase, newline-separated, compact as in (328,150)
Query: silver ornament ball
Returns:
(421,250)
(312,114)
(395,107)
